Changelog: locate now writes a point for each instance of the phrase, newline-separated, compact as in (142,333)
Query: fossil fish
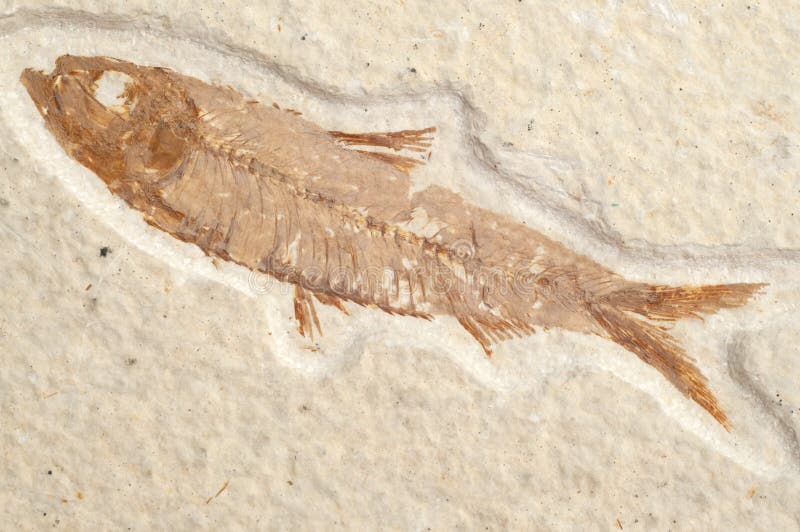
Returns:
(333,213)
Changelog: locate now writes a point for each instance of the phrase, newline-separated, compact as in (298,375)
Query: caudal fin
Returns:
(669,303)
(653,344)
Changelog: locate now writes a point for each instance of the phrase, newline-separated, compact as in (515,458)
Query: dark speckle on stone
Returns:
(49,471)
(303,38)
(412,70)
(3,202)
(130,361)
(104,251)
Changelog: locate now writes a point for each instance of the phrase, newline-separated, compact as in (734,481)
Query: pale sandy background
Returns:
(660,137)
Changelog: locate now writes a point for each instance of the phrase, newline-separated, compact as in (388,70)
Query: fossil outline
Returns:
(176,137)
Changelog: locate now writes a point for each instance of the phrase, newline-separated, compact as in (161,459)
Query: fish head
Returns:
(125,122)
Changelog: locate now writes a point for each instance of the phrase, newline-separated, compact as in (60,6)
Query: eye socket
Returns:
(164,151)
(112,91)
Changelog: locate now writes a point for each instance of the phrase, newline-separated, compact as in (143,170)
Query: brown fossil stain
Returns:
(219,492)
(333,213)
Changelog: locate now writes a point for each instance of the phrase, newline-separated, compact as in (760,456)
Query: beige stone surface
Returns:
(660,138)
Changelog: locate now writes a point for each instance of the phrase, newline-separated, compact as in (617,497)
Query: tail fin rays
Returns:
(656,347)
(652,343)
(668,303)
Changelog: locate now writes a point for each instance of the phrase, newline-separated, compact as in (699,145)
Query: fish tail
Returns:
(656,347)
(652,343)
(669,303)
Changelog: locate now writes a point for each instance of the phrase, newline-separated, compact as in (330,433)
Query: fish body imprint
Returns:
(333,213)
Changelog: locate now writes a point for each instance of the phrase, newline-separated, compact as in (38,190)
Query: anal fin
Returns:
(491,332)
(477,332)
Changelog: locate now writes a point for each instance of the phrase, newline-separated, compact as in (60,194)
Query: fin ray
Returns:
(669,303)
(333,301)
(656,347)
(401,162)
(305,313)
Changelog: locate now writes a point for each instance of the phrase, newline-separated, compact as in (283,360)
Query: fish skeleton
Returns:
(333,213)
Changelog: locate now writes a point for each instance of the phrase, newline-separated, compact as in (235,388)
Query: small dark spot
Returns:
(412,70)
(303,38)
(49,471)
(15,159)
(367,64)
(290,482)
(44,514)
(596,132)
(304,408)
(104,251)
(3,202)
(130,361)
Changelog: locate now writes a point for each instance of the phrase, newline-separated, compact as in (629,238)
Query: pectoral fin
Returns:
(305,313)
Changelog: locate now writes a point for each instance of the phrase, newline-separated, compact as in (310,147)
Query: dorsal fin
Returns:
(401,162)
(412,140)
(418,140)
